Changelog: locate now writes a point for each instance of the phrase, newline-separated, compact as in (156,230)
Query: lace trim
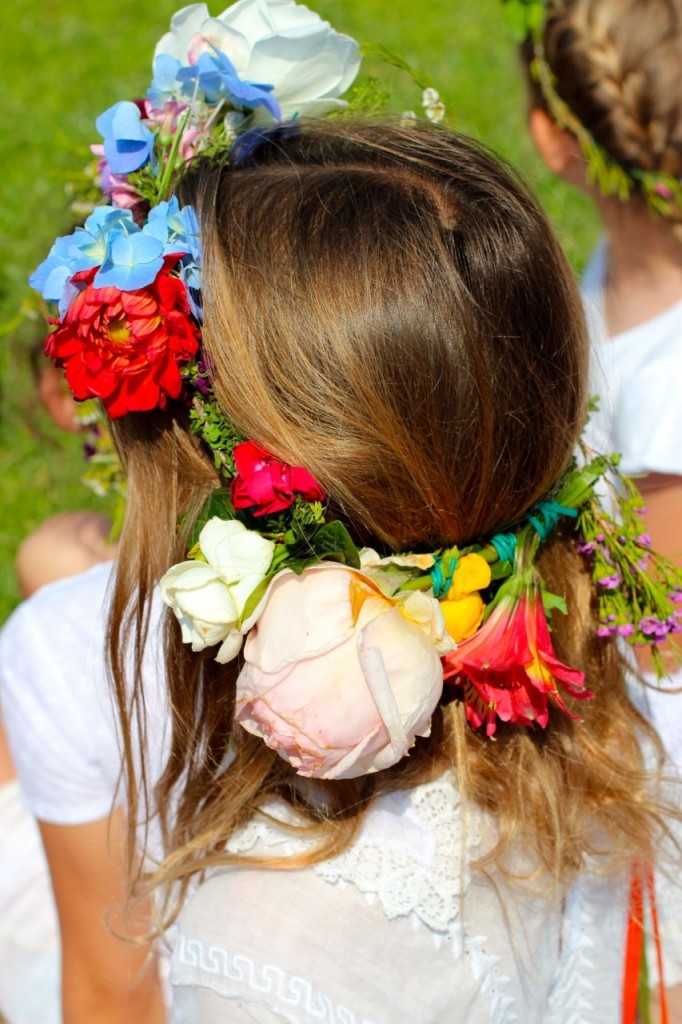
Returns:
(412,855)
(266,834)
(236,976)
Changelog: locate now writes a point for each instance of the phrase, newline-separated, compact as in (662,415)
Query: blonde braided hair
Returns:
(617,65)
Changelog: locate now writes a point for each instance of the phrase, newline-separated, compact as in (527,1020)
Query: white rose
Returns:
(208,598)
(274,42)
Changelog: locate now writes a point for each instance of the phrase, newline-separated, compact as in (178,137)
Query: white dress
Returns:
(400,929)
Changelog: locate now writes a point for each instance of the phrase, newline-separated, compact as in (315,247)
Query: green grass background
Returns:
(64,61)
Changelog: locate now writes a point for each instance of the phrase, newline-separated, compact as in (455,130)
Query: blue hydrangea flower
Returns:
(165,85)
(82,250)
(132,261)
(52,276)
(176,228)
(218,78)
(128,143)
(128,257)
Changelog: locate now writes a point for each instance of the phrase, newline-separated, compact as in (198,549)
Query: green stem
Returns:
(172,155)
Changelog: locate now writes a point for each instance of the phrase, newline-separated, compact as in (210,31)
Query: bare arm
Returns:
(105,979)
(663,496)
(674,1006)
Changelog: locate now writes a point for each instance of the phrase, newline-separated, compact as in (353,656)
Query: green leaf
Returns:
(498,570)
(551,601)
(218,504)
(333,542)
(422,582)
(253,600)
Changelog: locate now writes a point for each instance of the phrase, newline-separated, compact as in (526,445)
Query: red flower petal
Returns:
(125,347)
(266,484)
(508,669)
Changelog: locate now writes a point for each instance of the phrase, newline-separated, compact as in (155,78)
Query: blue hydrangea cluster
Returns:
(128,256)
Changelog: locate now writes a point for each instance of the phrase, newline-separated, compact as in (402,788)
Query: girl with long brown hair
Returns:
(387,308)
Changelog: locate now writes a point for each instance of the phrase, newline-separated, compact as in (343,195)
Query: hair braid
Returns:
(616,64)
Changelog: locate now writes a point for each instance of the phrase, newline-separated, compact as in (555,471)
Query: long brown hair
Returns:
(388,307)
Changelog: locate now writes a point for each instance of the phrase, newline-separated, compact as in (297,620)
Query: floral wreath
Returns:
(344,693)
(662,191)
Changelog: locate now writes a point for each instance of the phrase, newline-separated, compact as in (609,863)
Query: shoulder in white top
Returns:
(56,700)
(638,378)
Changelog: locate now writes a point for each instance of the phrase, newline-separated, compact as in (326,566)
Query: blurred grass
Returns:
(65,61)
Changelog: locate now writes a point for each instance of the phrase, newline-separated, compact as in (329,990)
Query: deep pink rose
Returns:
(266,485)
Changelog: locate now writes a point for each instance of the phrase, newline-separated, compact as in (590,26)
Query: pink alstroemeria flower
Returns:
(508,669)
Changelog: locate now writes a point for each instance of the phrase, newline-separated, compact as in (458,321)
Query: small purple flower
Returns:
(600,537)
(202,381)
(652,627)
(643,564)
(626,629)
(644,539)
(663,191)
(675,596)
(586,547)
(605,631)
(610,582)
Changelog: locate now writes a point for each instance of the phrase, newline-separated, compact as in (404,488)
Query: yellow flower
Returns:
(463,607)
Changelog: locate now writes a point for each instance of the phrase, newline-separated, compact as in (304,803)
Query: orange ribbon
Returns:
(634,946)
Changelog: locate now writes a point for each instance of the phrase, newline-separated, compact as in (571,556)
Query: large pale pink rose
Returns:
(338,678)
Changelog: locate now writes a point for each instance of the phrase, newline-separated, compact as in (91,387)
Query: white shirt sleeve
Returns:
(55,700)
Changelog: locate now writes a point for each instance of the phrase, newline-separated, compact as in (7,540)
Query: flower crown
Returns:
(662,191)
(346,653)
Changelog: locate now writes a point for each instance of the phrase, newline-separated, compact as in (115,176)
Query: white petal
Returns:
(234,551)
(212,603)
(250,17)
(379,686)
(309,68)
(185,576)
(184,24)
(228,40)
(230,647)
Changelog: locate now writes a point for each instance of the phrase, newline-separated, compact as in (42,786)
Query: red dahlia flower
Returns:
(508,669)
(126,347)
(267,485)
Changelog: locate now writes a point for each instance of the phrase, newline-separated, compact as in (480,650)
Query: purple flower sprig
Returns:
(639,591)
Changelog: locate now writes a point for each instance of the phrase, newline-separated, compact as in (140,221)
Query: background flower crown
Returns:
(661,191)
(345,692)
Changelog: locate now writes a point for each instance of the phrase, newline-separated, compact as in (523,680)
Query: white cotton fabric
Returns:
(398,928)
(637,377)
(29,944)
(56,701)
